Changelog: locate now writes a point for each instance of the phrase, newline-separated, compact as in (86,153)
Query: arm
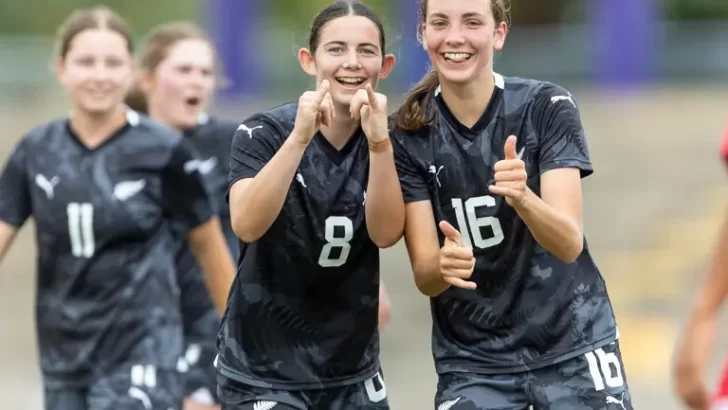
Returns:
(260,176)
(423,247)
(384,206)
(420,230)
(698,338)
(212,254)
(15,203)
(189,205)
(385,307)
(555,219)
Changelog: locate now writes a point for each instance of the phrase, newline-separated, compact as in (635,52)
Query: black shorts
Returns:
(371,394)
(201,374)
(595,380)
(137,387)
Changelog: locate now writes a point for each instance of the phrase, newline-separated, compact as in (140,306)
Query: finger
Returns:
(330,101)
(451,233)
(457,252)
(365,111)
(503,191)
(457,264)
(321,92)
(372,97)
(457,282)
(510,148)
(360,98)
(510,176)
(508,165)
(325,110)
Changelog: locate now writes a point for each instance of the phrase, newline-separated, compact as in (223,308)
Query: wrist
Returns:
(297,138)
(526,203)
(380,146)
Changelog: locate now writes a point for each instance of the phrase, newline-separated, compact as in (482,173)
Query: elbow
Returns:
(427,286)
(387,240)
(243,230)
(571,252)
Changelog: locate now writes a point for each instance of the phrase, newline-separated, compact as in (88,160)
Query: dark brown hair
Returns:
(155,49)
(99,17)
(340,9)
(412,115)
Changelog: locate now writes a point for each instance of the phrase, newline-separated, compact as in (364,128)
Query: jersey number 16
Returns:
(469,224)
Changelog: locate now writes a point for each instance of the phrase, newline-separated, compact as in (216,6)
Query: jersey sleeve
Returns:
(562,142)
(15,202)
(414,186)
(254,143)
(185,195)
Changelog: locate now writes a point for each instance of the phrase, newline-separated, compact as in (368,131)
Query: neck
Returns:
(95,129)
(156,114)
(468,102)
(342,127)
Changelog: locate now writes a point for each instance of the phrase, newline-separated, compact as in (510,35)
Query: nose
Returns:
(352,60)
(454,36)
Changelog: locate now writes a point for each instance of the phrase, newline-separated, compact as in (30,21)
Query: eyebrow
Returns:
(341,43)
(465,15)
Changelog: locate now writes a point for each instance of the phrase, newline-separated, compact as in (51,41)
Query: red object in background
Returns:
(724,145)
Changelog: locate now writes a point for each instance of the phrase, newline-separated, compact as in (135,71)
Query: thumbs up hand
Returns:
(456,260)
(510,175)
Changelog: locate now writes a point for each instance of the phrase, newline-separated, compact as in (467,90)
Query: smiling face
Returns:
(180,87)
(96,70)
(460,37)
(349,55)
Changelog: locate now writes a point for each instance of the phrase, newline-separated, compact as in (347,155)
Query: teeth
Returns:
(350,80)
(457,56)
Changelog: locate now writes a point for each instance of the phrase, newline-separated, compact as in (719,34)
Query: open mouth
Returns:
(351,81)
(457,57)
(193,101)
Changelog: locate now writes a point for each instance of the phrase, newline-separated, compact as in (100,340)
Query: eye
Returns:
(473,23)
(368,51)
(438,23)
(336,49)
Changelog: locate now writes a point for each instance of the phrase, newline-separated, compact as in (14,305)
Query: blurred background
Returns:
(650,80)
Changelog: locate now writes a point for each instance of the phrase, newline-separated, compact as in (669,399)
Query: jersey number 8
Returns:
(336,242)
(469,223)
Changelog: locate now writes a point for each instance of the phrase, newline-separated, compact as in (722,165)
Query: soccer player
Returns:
(105,186)
(300,331)
(490,167)
(176,81)
(698,338)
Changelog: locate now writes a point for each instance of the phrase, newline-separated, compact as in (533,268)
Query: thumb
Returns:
(450,232)
(510,147)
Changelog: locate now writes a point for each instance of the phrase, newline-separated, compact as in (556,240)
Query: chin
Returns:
(186,122)
(98,107)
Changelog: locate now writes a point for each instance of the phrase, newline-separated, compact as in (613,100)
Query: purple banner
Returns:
(232,23)
(625,41)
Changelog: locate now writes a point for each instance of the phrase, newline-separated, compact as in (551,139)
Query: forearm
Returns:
(713,290)
(384,203)
(216,264)
(555,231)
(7,234)
(266,193)
(428,278)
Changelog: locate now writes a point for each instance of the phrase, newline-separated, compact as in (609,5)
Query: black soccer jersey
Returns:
(530,309)
(107,288)
(303,309)
(211,140)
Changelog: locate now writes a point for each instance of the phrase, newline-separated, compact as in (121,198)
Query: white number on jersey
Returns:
(611,369)
(469,224)
(336,242)
(81,229)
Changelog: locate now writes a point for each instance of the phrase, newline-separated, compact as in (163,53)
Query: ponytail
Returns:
(137,100)
(415,114)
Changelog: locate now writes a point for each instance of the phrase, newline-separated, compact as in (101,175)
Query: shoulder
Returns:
(274,122)
(41,133)
(155,132)
(221,127)
(527,90)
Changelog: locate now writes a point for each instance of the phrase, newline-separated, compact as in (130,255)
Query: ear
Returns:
(60,67)
(423,40)
(308,63)
(387,65)
(501,31)
(147,82)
